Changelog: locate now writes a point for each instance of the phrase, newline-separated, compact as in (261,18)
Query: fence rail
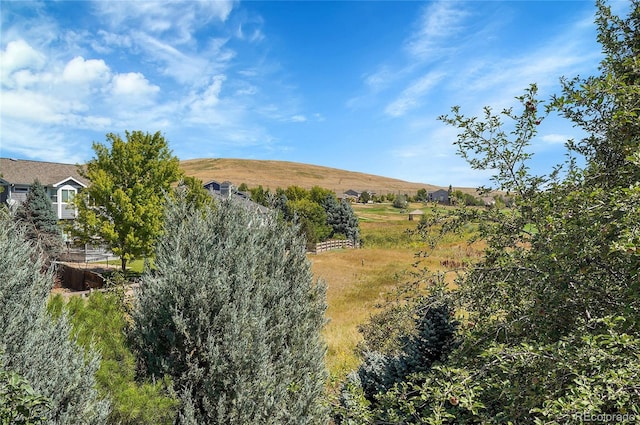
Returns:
(334,244)
(87,254)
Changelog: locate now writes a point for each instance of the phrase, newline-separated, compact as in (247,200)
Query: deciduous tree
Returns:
(551,324)
(123,205)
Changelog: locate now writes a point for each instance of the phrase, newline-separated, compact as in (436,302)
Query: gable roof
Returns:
(25,172)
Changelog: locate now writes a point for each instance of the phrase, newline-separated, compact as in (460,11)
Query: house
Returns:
(415,215)
(351,195)
(440,196)
(226,190)
(61,181)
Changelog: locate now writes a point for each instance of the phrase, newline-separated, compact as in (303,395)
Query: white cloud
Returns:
(20,55)
(555,139)
(211,95)
(207,106)
(40,142)
(81,71)
(177,20)
(159,17)
(133,84)
(251,30)
(37,107)
(108,41)
(246,90)
(298,118)
(438,22)
(412,96)
(191,68)
(25,78)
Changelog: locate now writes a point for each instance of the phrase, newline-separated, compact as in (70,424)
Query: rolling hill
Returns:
(274,174)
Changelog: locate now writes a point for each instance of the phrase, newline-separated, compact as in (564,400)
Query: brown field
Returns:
(274,174)
(358,279)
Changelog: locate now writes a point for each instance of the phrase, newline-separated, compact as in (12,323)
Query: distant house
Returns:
(61,181)
(227,190)
(351,194)
(440,196)
(415,215)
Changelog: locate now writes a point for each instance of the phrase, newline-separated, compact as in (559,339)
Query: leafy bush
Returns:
(400,201)
(551,313)
(19,403)
(432,341)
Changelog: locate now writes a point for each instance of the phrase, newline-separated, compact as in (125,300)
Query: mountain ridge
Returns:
(272,174)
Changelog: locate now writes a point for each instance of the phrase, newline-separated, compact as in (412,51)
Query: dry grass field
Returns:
(274,174)
(358,280)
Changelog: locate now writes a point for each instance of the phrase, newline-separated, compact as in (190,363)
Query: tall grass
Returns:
(359,280)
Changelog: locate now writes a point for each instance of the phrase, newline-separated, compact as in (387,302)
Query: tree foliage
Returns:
(38,347)
(318,212)
(124,203)
(400,201)
(550,315)
(195,191)
(312,219)
(41,222)
(233,315)
(100,323)
(364,197)
(19,403)
(341,218)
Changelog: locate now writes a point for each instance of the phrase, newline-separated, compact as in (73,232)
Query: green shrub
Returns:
(38,347)
(231,312)
(100,322)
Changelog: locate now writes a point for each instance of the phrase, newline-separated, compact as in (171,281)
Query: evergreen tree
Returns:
(341,218)
(231,312)
(41,221)
(36,346)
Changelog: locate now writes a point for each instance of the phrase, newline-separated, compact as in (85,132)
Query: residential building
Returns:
(226,190)
(441,196)
(61,181)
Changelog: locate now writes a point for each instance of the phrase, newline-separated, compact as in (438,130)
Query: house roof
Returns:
(25,172)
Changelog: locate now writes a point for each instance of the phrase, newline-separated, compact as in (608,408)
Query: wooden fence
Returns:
(334,244)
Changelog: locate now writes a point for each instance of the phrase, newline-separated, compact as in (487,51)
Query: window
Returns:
(67,195)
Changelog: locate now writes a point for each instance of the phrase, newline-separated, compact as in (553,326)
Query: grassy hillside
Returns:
(273,174)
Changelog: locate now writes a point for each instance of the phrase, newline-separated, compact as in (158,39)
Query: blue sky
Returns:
(356,85)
